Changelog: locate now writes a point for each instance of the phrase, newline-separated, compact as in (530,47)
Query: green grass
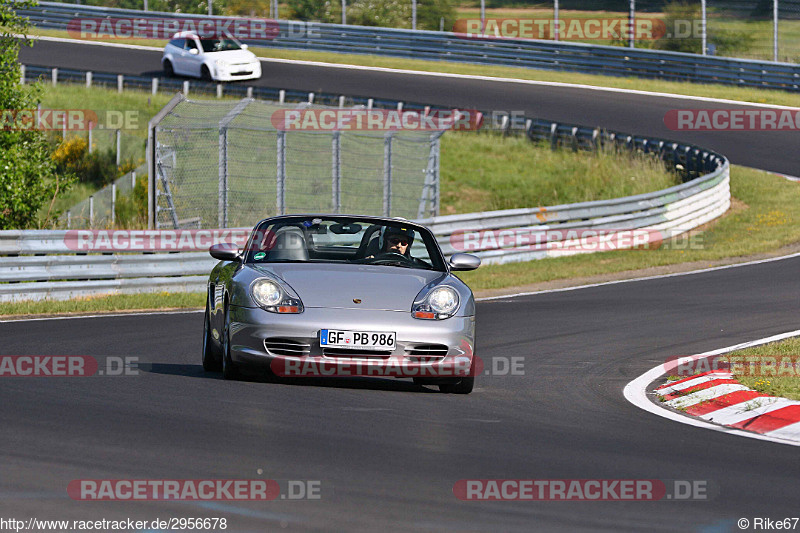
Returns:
(486,172)
(710,91)
(119,302)
(769,380)
(765,217)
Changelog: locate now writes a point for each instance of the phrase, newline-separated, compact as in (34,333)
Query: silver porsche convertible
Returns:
(340,295)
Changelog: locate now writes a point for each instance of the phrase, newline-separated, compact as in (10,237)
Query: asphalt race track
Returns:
(386,452)
(631,113)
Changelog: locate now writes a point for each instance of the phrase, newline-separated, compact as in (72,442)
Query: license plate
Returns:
(357,340)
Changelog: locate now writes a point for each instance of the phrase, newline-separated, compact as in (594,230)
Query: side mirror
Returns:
(462,262)
(225,251)
(245,47)
(194,51)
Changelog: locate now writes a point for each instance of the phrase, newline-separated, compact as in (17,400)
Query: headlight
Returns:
(272,297)
(221,63)
(440,303)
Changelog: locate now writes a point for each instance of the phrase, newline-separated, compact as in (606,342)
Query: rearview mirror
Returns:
(225,251)
(462,262)
(244,47)
(194,51)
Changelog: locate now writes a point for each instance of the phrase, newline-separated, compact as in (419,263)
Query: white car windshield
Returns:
(344,240)
(219,45)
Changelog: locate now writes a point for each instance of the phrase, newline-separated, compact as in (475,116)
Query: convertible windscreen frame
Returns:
(336,239)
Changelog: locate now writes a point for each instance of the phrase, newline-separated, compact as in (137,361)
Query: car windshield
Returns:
(219,45)
(348,240)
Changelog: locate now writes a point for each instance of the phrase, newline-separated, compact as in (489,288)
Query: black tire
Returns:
(229,368)
(464,386)
(205,74)
(211,355)
(168,70)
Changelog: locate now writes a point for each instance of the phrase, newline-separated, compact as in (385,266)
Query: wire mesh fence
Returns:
(108,207)
(230,164)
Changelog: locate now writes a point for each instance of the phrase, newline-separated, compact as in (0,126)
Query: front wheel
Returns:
(211,355)
(168,70)
(205,74)
(229,368)
(464,386)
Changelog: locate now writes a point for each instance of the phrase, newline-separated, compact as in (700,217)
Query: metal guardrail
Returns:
(550,55)
(29,271)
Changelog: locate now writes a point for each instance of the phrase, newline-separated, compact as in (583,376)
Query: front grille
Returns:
(286,347)
(361,354)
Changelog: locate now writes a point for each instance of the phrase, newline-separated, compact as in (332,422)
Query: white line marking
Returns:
(694,382)
(635,392)
(646,278)
(747,409)
(452,75)
(704,395)
(792,431)
(109,315)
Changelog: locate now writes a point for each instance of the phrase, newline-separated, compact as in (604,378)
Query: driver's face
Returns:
(397,244)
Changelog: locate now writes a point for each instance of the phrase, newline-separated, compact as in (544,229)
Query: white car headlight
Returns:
(274,298)
(266,293)
(442,302)
(221,63)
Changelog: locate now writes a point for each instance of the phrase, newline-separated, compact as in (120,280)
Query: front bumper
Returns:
(247,71)
(423,347)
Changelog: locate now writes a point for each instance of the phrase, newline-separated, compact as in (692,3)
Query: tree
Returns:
(27,174)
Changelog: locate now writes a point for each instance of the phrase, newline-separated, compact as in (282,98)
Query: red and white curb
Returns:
(717,397)
(714,400)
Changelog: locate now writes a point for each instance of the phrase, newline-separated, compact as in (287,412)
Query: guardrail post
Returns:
(575,139)
(118,140)
(90,136)
(341,102)
(22,74)
(281,96)
(369,103)
(186,88)
(387,174)
(54,76)
(113,204)
(310,98)
(120,81)
(91,212)
(219,90)
(154,86)
(400,107)
(336,171)
(553,135)
(133,179)
(69,219)
(281,174)
(249,92)
(89,79)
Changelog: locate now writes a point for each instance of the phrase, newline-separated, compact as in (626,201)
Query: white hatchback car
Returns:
(218,59)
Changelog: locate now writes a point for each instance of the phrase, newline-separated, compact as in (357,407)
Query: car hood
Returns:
(232,56)
(337,286)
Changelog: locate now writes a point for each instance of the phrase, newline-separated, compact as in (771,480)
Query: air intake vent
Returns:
(287,347)
(435,350)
